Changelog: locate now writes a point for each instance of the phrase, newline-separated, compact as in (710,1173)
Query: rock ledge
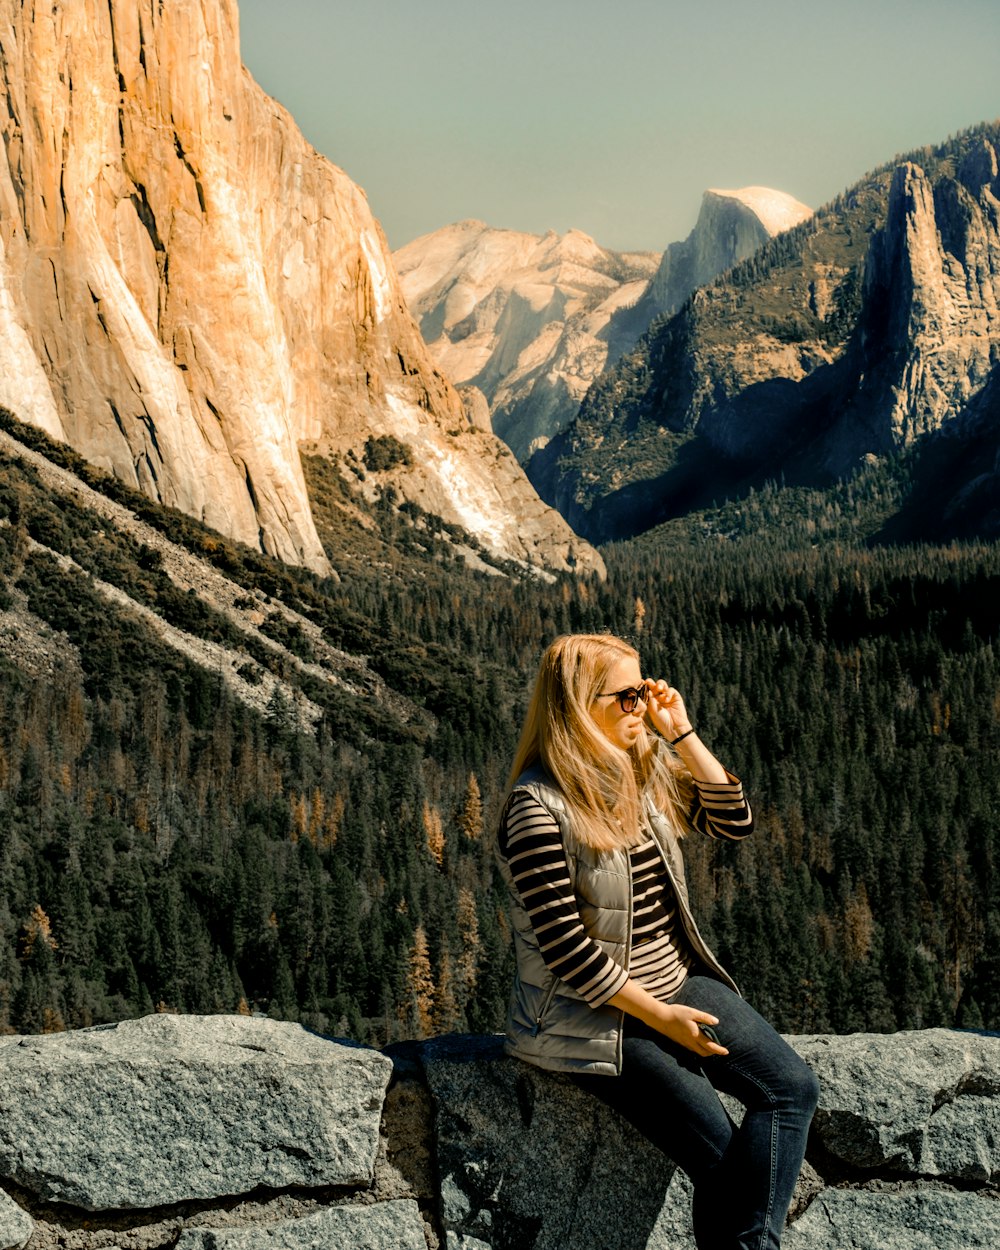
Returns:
(229,1133)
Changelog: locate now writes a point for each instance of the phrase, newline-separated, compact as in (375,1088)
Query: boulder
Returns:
(525,1159)
(922,1103)
(915,1219)
(153,1111)
(16,1226)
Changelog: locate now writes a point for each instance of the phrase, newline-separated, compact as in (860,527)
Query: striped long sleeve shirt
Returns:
(531,841)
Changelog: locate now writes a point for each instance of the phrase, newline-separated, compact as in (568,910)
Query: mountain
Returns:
(532,320)
(523,318)
(189,294)
(731,226)
(861,333)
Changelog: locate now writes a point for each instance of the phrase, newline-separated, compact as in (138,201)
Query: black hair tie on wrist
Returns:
(687,733)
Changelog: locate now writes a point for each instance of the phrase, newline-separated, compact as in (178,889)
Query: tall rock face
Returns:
(731,226)
(868,328)
(929,334)
(189,293)
(525,319)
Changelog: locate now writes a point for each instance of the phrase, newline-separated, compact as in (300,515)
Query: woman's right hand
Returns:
(675,1021)
(681,1023)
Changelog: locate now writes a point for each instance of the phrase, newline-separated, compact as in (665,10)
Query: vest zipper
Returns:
(549,995)
(628,959)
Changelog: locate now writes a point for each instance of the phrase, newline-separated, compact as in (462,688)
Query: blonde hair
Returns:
(603,785)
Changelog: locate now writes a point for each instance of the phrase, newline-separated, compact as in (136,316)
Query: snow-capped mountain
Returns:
(522,317)
(731,226)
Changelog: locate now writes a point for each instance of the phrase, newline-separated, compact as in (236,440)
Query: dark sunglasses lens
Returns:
(630,698)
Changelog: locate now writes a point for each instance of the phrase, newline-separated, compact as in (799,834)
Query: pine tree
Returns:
(37,929)
(419,1001)
(447,1013)
(434,833)
(468,930)
(471,819)
(638,616)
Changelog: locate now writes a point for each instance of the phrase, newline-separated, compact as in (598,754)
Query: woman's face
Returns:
(620,728)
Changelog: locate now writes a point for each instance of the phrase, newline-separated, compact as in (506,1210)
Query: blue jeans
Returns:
(743,1175)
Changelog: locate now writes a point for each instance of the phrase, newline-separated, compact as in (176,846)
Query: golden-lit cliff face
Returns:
(189,292)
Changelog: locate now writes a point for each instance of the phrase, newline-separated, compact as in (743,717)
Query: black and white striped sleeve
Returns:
(720,809)
(532,845)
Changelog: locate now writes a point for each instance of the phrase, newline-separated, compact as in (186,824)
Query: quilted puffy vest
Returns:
(549,1024)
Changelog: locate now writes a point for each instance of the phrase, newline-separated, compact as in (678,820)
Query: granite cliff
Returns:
(189,294)
(237,1133)
(861,333)
(731,226)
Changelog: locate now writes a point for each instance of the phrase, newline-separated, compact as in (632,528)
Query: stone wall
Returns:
(229,1133)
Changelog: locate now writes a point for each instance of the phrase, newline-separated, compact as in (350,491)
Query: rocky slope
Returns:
(862,331)
(305,1141)
(254,665)
(523,318)
(189,293)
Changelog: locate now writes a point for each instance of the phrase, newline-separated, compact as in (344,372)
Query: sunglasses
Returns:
(629,698)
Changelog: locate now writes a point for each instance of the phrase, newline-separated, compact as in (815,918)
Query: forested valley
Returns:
(165,846)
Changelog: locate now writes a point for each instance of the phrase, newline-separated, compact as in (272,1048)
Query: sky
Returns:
(613,117)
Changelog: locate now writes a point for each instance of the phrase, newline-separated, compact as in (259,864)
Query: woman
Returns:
(614,983)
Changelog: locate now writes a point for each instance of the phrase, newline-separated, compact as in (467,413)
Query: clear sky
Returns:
(614,116)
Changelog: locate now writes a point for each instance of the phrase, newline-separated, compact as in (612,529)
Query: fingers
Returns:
(662,692)
(665,707)
(683,1024)
(707,1039)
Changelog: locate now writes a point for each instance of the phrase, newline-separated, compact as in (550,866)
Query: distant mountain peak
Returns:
(519,316)
(531,320)
(869,330)
(776,210)
(731,226)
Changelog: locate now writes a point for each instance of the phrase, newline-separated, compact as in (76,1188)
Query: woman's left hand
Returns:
(665,709)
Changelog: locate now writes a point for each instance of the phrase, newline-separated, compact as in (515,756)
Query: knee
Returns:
(803,1087)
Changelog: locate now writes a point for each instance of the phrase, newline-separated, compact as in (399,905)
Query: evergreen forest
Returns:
(165,845)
